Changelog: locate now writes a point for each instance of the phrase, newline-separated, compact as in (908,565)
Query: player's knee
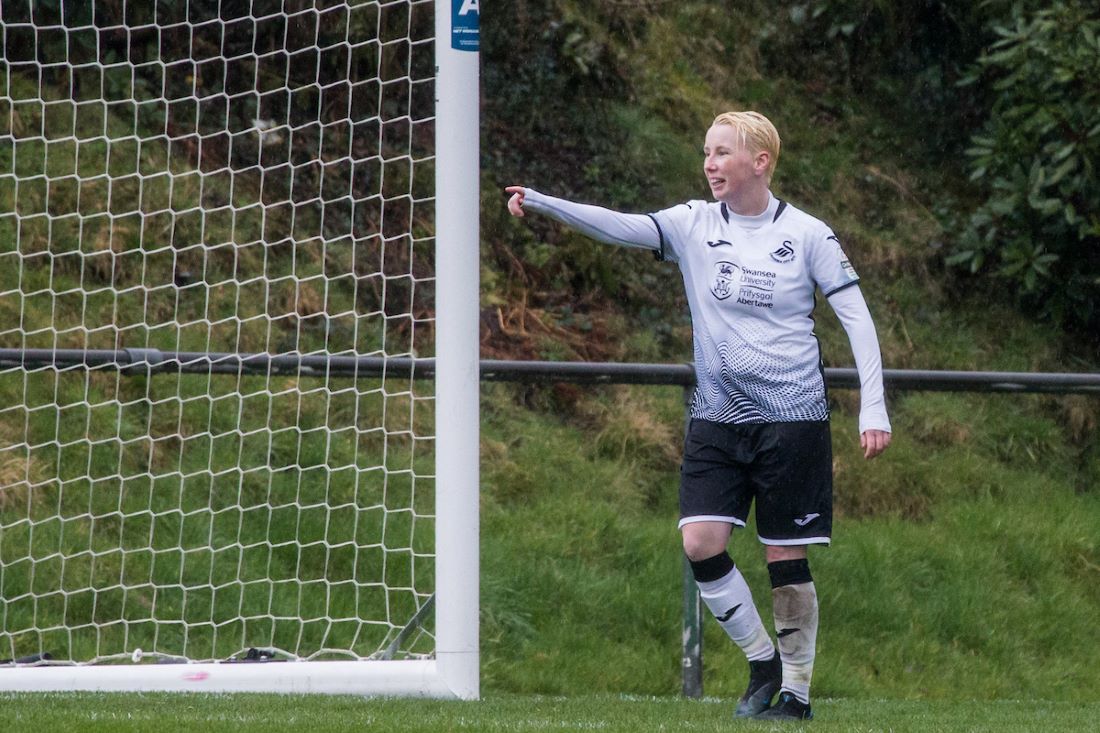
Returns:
(782,553)
(704,539)
(699,546)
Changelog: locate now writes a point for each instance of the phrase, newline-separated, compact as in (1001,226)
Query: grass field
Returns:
(964,565)
(609,713)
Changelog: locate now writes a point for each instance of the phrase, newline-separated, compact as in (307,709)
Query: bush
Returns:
(1034,160)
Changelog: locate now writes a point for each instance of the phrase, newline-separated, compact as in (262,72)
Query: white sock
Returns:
(730,600)
(795,610)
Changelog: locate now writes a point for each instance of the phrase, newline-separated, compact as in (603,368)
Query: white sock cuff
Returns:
(713,587)
(800,692)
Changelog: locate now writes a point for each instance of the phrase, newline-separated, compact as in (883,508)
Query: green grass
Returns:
(964,563)
(962,553)
(611,713)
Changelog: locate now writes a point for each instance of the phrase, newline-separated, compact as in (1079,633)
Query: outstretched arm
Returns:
(874,425)
(604,225)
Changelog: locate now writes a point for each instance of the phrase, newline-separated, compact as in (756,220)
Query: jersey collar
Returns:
(769,216)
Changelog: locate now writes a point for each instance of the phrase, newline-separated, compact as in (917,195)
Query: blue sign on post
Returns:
(465,25)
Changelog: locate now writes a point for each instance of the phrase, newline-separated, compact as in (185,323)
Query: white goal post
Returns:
(292,178)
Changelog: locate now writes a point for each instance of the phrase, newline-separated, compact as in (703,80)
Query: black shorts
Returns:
(786,467)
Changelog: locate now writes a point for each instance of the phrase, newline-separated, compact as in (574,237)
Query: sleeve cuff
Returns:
(874,420)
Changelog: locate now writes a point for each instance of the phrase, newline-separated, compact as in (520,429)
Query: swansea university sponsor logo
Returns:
(752,287)
(756,287)
(722,285)
(784,253)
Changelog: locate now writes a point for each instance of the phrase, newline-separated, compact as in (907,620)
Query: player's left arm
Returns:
(874,424)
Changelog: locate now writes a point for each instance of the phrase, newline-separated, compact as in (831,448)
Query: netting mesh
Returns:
(236,176)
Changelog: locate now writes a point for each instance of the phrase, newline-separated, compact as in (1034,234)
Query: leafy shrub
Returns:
(1038,226)
(1014,85)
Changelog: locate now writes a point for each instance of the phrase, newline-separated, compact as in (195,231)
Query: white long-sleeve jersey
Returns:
(750,284)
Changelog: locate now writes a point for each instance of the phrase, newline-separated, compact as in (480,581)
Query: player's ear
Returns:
(761,161)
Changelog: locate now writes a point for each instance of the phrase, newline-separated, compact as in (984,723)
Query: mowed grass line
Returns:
(77,712)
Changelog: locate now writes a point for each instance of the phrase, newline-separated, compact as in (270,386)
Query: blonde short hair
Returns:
(757,133)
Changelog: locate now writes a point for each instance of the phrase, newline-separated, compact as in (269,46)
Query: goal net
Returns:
(218,264)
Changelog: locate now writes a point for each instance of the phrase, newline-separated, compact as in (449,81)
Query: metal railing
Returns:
(147,361)
(155,361)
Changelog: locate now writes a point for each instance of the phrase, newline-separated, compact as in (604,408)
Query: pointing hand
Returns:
(515,204)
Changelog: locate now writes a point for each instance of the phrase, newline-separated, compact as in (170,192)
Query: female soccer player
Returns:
(759,427)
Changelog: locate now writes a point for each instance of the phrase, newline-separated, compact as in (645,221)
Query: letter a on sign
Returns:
(465,25)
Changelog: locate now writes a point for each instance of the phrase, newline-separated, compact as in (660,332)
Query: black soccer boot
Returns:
(787,707)
(765,679)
